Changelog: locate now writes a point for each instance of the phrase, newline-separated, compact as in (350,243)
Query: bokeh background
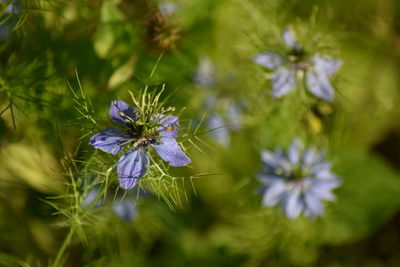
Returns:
(112,46)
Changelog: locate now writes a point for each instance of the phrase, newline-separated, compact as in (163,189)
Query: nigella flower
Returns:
(138,137)
(205,73)
(298,180)
(124,208)
(316,69)
(220,123)
(167,8)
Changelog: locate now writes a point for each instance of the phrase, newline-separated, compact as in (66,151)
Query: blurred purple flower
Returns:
(8,21)
(90,197)
(160,135)
(124,208)
(219,131)
(317,69)
(220,123)
(298,180)
(205,73)
(167,8)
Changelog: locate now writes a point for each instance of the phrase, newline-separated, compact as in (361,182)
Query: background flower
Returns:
(224,114)
(298,180)
(317,69)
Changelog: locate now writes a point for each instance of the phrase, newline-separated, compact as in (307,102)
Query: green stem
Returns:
(63,247)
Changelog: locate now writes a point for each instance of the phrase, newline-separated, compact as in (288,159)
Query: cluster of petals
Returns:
(124,208)
(298,180)
(220,123)
(317,69)
(134,163)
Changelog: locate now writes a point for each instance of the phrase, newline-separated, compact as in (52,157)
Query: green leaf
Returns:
(106,33)
(369,196)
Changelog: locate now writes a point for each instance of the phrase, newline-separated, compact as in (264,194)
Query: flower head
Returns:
(205,74)
(167,8)
(221,123)
(298,180)
(123,207)
(317,69)
(138,134)
(221,120)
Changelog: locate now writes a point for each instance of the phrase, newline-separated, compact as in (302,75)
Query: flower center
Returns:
(169,128)
(297,58)
(298,173)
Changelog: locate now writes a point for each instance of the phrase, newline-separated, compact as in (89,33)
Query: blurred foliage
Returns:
(108,47)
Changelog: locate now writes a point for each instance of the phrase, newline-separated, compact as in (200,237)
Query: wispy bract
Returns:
(298,180)
(317,69)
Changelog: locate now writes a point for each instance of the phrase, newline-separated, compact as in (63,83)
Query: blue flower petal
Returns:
(110,140)
(270,159)
(275,160)
(12,7)
(131,167)
(91,196)
(283,81)
(293,204)
(310,156)
(167,8)
(273,193)
(170,151)
(268,60)
(290,39)
(233,114)
(219,132)
(205,74)
(326,64)
(319,85)
(125,210)
(328,176)
(321,167)
(323,189)
(313,206)
(294,151)
(122,113)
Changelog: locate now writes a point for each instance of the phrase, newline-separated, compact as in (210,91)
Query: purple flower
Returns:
(124,208)
(317,69)
(219,131)
(221,124)
(167,8)
(8,19)
(138,136)
(205,74)
(298,180)
(90,197)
